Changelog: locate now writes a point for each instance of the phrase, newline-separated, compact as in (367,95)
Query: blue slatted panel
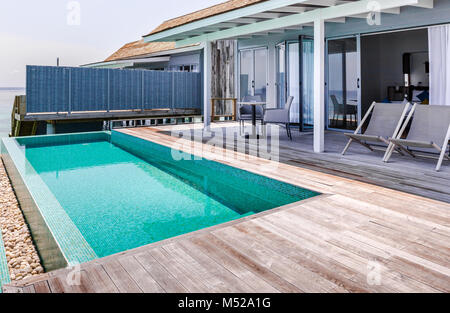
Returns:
(66,89)
(157,90)
(89,90)
(125,90)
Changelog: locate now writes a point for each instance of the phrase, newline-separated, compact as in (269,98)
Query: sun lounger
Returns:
(386,121)
(429,132)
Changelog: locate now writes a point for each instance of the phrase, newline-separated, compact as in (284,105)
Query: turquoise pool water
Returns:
(125,192)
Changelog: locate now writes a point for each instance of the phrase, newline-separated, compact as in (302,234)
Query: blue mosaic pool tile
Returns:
(71,242)
(63,139)
(4,272)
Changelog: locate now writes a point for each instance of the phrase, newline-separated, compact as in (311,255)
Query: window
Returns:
(184,68)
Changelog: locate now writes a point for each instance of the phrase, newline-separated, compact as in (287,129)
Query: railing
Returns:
(78,90)
(222,110)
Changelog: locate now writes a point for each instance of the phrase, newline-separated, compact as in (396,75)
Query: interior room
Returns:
(395,67)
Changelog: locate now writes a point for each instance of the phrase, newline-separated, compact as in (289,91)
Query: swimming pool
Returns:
(98,194)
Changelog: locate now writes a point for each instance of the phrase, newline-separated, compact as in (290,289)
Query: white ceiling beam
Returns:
(290,9)
(427,4)
(227,24)
(245,20)
(348,9)
(209,21)
(300,27)
(323,3)
(336,20)
(267,15)
(391,11)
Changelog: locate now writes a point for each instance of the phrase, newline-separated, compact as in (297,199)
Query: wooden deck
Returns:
(356,237)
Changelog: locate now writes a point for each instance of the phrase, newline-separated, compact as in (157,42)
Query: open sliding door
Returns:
(295,77)
(306,83)
(343,83)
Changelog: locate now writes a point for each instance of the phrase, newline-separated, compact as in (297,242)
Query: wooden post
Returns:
(213,109)
(34,129)
(17,129)
(207,84)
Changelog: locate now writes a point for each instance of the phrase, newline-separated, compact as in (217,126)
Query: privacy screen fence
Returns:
(72,89)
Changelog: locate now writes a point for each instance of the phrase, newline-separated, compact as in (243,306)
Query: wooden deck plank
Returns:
(188,279)
(296,274)
(138,273)
(234,266)
(164,280)
(317,263)
(120,277)
(42,287)
(29,289)
(227,279)
(59,284)
(319,243)
(100,281)
(204,270)
(276,281)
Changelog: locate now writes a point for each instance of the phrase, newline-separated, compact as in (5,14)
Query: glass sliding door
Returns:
(307,83)
(253,74)
(293,82)
(260,74)
(246,74)
(281,75)
(343,87)
(295,77)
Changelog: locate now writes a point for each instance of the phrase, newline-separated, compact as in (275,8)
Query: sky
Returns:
(78,32)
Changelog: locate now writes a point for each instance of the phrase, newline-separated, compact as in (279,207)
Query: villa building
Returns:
(321,52)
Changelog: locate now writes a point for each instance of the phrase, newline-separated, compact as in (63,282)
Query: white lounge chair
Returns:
(429,132)
(385,123)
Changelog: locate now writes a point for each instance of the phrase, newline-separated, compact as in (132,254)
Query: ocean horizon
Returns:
(7,95)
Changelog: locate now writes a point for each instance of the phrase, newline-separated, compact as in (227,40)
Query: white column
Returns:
(319,86)
(207,67)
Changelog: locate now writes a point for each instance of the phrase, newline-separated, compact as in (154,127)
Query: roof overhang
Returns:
(278,16)
(128,63)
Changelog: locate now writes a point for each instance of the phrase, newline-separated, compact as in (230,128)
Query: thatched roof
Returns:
(139,48)
(205,13)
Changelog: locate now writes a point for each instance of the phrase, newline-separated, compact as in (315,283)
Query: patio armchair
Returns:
(341,109)
(280,116)
(429,132)
(245,111)
(385,122)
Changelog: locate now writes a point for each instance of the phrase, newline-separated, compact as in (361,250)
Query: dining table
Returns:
(253,104)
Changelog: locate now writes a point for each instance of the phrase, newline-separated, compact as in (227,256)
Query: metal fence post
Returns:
(109,92)
(70,91)
(142,91)
(173,90)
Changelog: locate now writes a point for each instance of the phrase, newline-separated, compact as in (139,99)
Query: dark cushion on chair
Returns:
(246,112)
(248,117)
(245,109)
